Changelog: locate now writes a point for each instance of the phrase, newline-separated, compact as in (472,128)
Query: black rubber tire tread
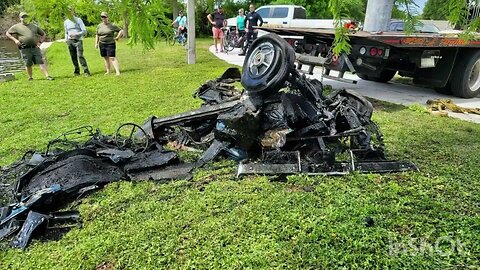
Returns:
(228,44)
(171,40)
(277,74)
(362,76)
(461,74)
(382,76)
(446,90)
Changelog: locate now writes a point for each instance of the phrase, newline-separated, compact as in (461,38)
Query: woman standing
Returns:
(240,24)
(106,41)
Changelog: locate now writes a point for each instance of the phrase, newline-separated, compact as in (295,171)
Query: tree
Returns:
(148,20)
(4,4)
(436,10)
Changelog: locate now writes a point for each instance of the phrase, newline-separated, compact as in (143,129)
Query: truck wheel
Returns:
(465,78)
(446,90)
(267,64)
(362,76)
(382,76)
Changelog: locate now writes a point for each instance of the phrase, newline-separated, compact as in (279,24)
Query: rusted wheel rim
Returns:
(261,59)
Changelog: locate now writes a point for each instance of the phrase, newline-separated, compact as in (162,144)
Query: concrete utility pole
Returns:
(378,15)
(191,54)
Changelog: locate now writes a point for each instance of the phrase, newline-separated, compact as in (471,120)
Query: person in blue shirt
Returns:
(181,21)
(240,23)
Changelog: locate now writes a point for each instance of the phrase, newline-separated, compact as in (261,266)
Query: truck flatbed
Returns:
(396,39)
(446,62)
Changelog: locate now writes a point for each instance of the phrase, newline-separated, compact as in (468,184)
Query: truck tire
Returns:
(465,77)
(383,76)
(267,64)
(362,76)
(446,90)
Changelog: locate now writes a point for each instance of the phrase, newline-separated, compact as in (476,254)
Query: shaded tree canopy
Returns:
(436,10)
(4,4)
(148,21)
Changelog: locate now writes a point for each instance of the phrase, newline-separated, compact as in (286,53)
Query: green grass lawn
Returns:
(426,219)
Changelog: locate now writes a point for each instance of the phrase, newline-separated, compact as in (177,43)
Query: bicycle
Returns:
(180,38)
(232,40)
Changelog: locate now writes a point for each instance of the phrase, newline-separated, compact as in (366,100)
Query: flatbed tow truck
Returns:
(446,62)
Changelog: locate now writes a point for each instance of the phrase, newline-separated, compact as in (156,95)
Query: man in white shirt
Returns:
(74,32)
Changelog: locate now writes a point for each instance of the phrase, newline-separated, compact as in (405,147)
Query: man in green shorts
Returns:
(28,38)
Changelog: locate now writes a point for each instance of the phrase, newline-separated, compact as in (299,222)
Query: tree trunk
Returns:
(175,9)
(125,24)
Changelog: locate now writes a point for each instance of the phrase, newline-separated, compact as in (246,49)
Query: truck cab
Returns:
(286,16)
(281,15)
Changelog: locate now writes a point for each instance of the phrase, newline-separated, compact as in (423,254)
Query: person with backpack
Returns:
(181,22)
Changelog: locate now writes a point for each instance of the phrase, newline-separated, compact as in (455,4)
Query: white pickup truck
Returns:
(286,16)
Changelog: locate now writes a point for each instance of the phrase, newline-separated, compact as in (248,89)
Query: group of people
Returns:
(244,27)
(28,37)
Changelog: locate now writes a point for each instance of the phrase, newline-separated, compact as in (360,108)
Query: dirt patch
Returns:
(105,266)
(5,23)
(380,105)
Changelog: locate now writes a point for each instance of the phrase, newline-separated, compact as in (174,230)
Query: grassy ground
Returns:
(426,219)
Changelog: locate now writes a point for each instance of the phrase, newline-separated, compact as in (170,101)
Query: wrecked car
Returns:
(281,123)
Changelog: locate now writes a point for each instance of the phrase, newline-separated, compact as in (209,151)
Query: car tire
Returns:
(465,77)
(267,64)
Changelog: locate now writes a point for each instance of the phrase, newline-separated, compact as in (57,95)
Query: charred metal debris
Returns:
(282,123)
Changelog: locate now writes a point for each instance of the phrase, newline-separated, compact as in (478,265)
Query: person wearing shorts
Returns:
(28,37)
(105,40)
(217,19)
(181,22)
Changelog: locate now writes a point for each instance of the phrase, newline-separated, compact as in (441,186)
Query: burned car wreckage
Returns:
(281,123)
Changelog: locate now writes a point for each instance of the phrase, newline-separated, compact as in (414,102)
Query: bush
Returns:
(91,30)
(9,18)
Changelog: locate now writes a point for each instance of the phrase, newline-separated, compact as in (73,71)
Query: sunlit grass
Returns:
(219,222)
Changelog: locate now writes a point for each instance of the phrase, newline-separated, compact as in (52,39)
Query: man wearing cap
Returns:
(28,37)
(217,19)
(74,32)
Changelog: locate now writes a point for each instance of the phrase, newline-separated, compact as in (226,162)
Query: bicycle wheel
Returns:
(171,40)
(182,39)
(229,43)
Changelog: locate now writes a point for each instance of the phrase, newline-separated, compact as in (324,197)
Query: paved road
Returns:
(394,92)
